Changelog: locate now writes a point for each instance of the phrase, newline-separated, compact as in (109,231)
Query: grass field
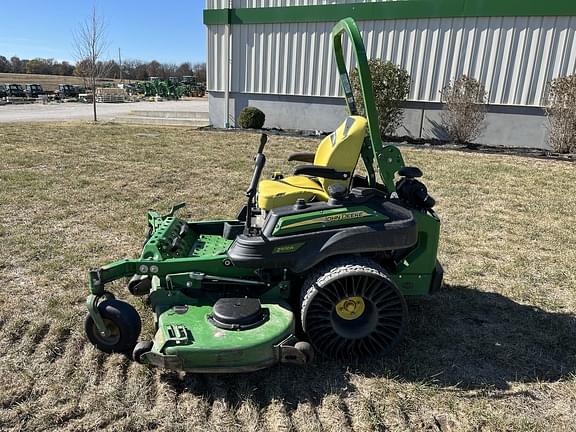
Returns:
(48,82)
(495,351)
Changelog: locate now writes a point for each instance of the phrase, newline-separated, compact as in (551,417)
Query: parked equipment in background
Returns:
(172,88)
(317,262)
(193,87)
(34,90)
(111,95)
(15,91)
(66,91)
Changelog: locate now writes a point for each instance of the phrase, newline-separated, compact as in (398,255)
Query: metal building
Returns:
(277,55)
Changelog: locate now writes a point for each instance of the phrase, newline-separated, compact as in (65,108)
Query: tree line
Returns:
(129,70)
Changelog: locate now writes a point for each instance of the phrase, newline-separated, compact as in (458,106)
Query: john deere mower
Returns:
(316,263)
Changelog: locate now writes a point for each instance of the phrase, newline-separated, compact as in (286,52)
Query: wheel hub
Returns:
(113,333)
(350,308)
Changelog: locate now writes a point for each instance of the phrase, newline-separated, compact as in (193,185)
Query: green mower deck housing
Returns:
(275,286)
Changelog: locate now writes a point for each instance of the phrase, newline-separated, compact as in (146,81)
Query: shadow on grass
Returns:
(473,339)
(460,337)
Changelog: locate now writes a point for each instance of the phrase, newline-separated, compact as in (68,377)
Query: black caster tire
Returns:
(123,322)
(140,349)
(306,349)
(351,308)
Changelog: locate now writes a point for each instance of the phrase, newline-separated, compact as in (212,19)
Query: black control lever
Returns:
(263,141)
(259,162)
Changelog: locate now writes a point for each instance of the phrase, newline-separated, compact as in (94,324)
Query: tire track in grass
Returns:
(305,418)
(35,336)
(221,417)
(334,415)
(61,387)
(17,381)
(138,389)
(73,346)
(56,342)
(44,351)
(247,412)
(276,417)
(10,420)
(20,386)
(272,389)
(359,421)
(365,415)
(12,335)
(131,382)
(102,397)
(12,396)
(193,405)
(115,381)
(164,402)
(88,373)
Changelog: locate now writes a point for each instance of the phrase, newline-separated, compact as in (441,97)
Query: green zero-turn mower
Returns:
(320,262)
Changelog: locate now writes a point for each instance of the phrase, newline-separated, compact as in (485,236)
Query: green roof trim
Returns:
(391,10)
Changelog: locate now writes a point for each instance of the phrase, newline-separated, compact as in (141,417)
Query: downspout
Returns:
(227,36)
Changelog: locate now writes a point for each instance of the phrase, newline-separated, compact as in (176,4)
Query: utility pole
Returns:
(120,63)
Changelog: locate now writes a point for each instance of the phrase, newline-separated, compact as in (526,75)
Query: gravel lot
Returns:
(79,111)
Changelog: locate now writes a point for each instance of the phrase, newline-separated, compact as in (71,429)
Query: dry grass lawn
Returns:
(495,351)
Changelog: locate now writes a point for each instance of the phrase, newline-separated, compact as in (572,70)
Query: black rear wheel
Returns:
(351,308)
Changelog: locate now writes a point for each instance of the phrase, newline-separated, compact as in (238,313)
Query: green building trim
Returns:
(391,10)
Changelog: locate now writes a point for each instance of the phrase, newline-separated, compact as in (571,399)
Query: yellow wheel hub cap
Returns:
(350,308)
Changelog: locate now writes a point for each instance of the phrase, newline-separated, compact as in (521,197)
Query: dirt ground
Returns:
(494,351)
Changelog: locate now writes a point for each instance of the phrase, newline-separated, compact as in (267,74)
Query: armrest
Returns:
(320,171)
(302,157)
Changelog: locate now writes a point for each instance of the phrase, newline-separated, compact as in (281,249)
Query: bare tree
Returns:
(89,45)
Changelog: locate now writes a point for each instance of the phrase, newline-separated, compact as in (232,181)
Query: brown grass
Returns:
(495,351)
(48,82)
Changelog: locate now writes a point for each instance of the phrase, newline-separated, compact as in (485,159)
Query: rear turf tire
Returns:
(351,308)
(122,321)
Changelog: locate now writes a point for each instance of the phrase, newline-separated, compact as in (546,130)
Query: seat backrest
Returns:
(341,149)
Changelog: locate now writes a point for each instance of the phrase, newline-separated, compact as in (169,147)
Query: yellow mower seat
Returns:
(339,151)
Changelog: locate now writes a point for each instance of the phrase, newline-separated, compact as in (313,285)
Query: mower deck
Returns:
(187,340)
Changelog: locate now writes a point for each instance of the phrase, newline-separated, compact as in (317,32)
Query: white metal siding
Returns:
(515,57)
(223,4)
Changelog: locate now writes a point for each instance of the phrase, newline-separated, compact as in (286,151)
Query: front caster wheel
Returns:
(123,323)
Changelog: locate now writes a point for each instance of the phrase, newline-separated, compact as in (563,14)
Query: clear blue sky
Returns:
(167,31)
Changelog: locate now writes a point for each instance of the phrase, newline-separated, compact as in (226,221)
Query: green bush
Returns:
(561,112)
(391,86)
(251,118)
